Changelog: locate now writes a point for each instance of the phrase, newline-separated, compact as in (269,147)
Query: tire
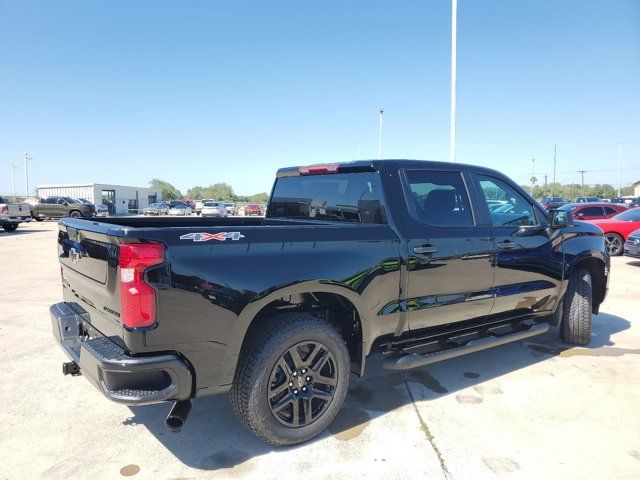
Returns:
(38,219)
(262,395)
(578,307)
(75,214)
(10,227)
(614,244)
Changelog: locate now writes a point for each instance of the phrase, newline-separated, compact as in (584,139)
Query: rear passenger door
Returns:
(528,270)
(450,256)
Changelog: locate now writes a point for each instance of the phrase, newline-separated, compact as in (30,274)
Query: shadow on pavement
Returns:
(213,439)
(20,232)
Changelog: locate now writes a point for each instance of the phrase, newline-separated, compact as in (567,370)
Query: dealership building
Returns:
(120,199)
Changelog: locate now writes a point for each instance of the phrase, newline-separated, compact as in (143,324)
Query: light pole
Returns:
(454,49)
(13,179)
(619,166)
(380,134)
(26,157)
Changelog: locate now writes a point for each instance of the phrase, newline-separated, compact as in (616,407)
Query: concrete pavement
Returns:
(527,410)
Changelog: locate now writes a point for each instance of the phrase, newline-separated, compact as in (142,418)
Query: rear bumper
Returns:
(121,377)
(16,219)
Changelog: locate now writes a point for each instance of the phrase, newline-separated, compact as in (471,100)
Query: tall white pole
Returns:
(13,179)
(380,134)
(26,157)
(619,166)
(454,47)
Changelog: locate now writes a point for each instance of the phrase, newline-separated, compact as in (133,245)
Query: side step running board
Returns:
(413,360)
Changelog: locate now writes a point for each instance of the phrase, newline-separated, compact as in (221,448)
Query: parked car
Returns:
(632,245)
(199,203)
(396,257)
(180,209)
(159,208)
(191,203)
(549,203)
(214,209)
(587,200)
(101,210)
(618,228)
(58,207)
(622,201)
(593,211)
(13,213)
(232,208)
(635,202)
(252,210)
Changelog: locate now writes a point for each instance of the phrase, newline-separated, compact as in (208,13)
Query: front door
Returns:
(529,269)
(450,263)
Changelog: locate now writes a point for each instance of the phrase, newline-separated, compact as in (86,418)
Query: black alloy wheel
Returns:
(302,384)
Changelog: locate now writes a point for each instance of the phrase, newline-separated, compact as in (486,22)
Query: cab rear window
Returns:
(344,197)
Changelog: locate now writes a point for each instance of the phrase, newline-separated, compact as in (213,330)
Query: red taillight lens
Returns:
(319,169)
(137,298)
(5,209)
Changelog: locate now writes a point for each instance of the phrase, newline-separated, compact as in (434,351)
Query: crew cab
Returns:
(13,213)
(58,207)
(397,257)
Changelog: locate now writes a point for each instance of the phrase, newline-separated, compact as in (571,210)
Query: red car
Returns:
(253,210)
(617,229)
(593,211)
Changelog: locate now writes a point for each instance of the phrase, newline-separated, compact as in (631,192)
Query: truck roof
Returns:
(375,165)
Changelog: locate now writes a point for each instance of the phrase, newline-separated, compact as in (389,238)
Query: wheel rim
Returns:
(302,384)
(614,244)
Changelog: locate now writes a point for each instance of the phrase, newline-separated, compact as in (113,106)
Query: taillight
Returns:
(5,209)
(138,298)
(319,169)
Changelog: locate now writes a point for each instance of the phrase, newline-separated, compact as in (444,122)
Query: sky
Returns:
(201,92)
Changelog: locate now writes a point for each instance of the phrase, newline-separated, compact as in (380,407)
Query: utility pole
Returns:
(582,172)
(13,179)
(26,157)
(454,53)
(380,134)
(544,191)
(555,152)
(619,166)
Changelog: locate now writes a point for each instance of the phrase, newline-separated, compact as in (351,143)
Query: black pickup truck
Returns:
(397,257)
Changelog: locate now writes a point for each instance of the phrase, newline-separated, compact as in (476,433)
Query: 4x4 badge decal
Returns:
(205,237)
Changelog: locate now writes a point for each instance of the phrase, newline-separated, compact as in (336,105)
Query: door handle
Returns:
(425,249)
(507,245)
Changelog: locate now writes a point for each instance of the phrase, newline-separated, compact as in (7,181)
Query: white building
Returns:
(119,199)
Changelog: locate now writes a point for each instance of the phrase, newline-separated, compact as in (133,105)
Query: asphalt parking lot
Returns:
(533,409)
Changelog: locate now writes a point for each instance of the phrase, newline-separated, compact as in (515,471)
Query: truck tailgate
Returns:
(89,261)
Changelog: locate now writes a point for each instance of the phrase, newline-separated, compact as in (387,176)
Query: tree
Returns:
(169,192)
(220,191)
(196,193)
(259,198)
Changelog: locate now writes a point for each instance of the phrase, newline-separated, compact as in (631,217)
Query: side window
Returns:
(507,207)
(609,210)
(60,201)
(592,211)
(439,198)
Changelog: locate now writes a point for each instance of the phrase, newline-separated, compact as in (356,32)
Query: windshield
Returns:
(84,200)
(632,215)
(71,200)
(346,197)
(567,207)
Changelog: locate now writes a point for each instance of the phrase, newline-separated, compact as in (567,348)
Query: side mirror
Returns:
(580,216)
(65,203)
(560,219)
